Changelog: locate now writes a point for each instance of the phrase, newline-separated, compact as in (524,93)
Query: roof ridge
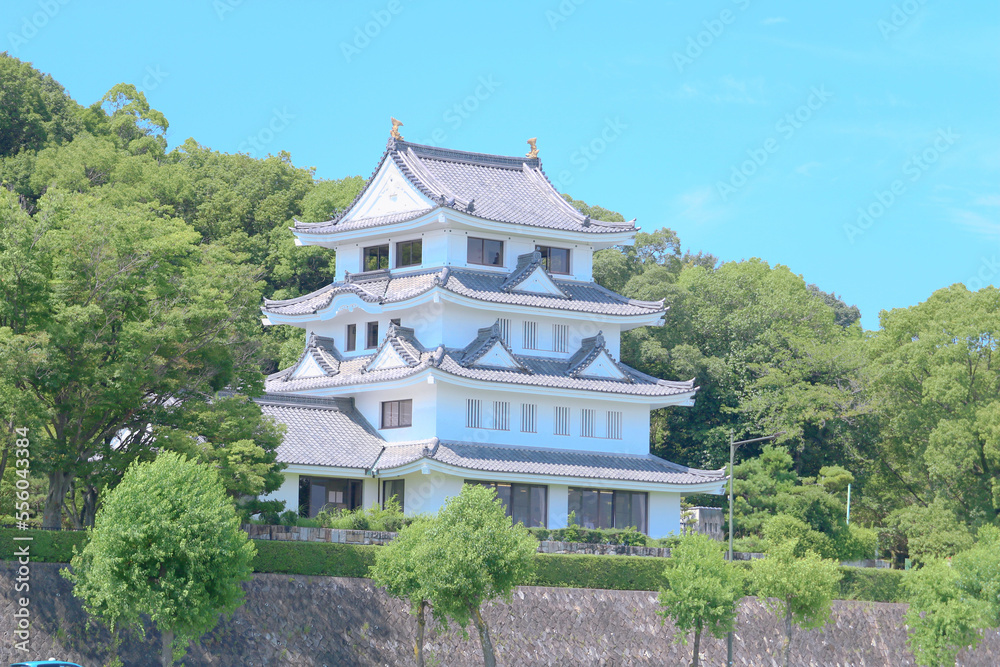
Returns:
(470,157)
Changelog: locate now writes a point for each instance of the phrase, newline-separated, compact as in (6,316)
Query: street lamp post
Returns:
(732,454)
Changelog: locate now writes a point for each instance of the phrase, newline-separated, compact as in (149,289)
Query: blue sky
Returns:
(856,142)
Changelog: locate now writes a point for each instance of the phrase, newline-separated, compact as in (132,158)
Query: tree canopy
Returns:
(166,544)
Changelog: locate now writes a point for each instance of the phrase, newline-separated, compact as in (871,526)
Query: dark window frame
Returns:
(387,484)
(351,338)
(546,251)
(617,498)
(371,335)
(483,250)
(507,497)
(399,413)
(379,257)
(404,248)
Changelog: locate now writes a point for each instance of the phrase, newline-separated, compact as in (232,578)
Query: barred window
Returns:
(560,337)
(561,426)
(587,418)
(501,415)
(531,335)
(504,326)
(615,425)
(529,418)
(473,413)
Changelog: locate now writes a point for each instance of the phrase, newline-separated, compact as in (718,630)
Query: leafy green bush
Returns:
(782,528)
(314,558)
(46,546)
(623,536)
(871,585)
(626,573)
(390,518)
(856,543)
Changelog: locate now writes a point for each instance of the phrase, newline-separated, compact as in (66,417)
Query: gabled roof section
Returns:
(488,350)
(319,359)
(594,361)
(386,286)
(491,187)
(399,349)
(529,277)
(323,431)
(541,461)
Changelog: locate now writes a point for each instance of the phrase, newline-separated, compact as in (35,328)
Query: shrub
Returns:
(624,536)
(389,519)
(783,528)
(47,546)
(856,543)
(872,585)
(314,558)
(625,573)
(289,518)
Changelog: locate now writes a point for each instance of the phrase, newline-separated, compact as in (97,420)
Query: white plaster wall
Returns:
(558,509)
(369,492)
(581,255)
(288,492)
(427,493)
(664,514)
(451,421)
(424,397)
(433,252)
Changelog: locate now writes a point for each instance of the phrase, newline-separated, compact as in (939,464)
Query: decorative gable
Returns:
(529,277)
(390,192)
(399,349)
(497,356)
(594,361)
(489,351)
(604,367)
(319,359)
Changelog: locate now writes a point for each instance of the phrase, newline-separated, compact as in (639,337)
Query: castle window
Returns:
(560,337)
(530,335)
(587,420)
(397,414)
(473,413)
(595,508)
(525,503)
(485,251)
(408,253)
(614,425)
(555,260)
(561,425)
(351,338)
(501,415)
(371,337)
(529,418)
(376,257)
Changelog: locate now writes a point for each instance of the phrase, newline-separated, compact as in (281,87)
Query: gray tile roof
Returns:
(540,372)
(493,187)
(395,286)
(323,431)
(510,459)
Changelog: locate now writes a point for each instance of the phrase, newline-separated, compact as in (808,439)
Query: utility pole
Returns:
(732,456)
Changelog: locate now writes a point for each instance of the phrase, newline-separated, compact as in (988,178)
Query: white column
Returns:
(288,492)
(558,502)
(369,492)
(664,514)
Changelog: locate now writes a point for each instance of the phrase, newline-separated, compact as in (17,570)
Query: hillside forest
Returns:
(131,278)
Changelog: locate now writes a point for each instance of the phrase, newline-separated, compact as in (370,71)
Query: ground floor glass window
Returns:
(327,493)
(595,508)
(525,503)
(390,488)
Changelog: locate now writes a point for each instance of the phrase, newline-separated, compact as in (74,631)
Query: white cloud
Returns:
(977,224)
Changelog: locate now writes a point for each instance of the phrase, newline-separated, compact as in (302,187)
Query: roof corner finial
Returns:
(395,128)
(533,153)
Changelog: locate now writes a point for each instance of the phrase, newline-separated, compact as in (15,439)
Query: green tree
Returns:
(166,544)
(798,590)
(936,385)
(397,569)
(471,554)
(702,591)
(942,618)
(34,109)
(979,572)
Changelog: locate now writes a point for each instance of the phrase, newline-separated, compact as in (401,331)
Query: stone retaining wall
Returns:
(327,621)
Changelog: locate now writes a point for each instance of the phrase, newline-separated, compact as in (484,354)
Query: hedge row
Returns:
(46,546)
(626,573)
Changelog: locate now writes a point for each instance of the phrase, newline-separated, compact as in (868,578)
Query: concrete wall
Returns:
(316,621)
